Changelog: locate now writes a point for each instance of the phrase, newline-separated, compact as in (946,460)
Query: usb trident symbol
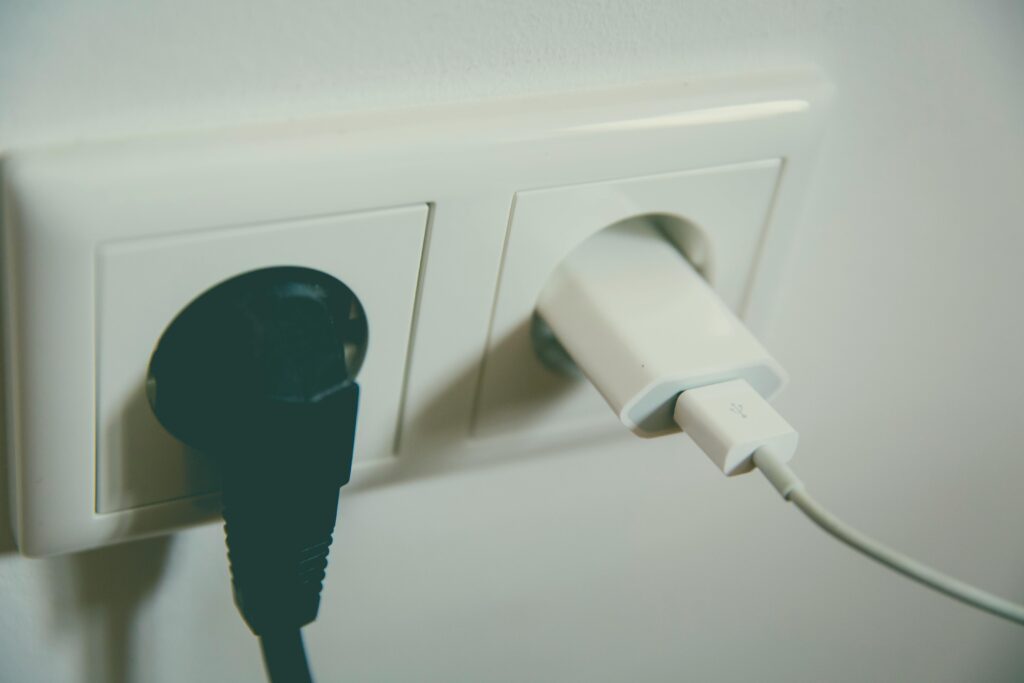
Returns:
(738,409)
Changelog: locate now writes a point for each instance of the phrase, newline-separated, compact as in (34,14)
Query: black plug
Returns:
(258,372)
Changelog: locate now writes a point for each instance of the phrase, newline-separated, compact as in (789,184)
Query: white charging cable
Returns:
(732,418)
(667,353)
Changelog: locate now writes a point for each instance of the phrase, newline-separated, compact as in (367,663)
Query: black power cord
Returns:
(258,372)
(284,656)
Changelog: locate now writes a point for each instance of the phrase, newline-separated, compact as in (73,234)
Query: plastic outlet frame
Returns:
(476,165)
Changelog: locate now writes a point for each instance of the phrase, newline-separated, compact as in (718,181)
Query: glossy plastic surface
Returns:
(142,285)
(719,214)
(474,164)
(644,326)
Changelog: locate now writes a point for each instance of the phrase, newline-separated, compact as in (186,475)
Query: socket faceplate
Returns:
(74,214)
(143,284)
(728,206)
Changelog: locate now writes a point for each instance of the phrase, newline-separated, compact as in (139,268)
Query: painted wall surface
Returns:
(900,323)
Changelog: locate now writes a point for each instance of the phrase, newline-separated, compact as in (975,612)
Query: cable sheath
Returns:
(794,491)
(284,656)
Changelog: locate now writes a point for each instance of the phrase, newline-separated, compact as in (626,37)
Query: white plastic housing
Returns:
(643,326)
(142,284)
(721,214)
(496,194)
(729,421)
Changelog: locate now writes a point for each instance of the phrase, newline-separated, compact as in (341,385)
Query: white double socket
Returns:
(445,221)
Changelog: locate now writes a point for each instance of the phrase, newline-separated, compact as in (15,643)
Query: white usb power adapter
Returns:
(643,325)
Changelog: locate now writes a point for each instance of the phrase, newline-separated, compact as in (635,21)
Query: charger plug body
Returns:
(643,326)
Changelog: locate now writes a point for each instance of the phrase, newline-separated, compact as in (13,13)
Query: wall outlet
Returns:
(418,211)
(143,284)
(99,308)
(721,212)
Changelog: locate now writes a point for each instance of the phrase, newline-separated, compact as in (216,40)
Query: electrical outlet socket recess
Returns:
(105,242)
(143,284)
(717,216)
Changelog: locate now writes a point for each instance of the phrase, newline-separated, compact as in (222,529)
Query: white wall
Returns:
(900,323)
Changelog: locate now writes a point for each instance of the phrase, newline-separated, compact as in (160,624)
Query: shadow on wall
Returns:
(7,544)
(444,424)
(6,536)
(97,597)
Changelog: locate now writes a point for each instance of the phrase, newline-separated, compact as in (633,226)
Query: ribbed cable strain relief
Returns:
(277,549)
